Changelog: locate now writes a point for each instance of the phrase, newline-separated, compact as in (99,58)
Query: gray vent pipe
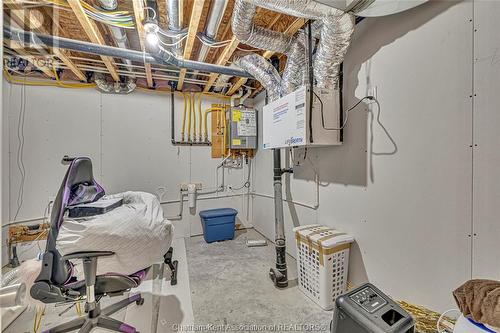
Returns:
(30,39)
(119,35)
(215,15)
(174,25)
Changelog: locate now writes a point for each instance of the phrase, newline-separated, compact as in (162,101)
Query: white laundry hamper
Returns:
(322,263)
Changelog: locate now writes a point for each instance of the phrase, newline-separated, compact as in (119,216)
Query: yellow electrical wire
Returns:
(199,116)
(189,119)
(193,110)
(70,85)
(183,117)
(13,80)
(207,111)
(117,18)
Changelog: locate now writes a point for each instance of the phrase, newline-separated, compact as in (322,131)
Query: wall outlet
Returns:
(184,186)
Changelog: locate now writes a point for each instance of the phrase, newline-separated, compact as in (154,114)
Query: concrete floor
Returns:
(230,287)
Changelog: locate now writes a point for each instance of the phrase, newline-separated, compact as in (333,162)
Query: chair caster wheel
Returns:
(140,302)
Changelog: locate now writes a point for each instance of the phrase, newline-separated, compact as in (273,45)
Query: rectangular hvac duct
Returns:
(339,4)
(286,121)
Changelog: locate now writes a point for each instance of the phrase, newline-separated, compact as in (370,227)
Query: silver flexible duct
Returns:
(174,24)
(295,73)
(248,33)
(336,33)
(264,72)
(113,87)
(215,15)
(335,39)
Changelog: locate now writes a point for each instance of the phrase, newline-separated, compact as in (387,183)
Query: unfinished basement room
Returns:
(319,166)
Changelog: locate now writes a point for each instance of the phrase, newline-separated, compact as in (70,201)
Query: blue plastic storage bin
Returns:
(218,224)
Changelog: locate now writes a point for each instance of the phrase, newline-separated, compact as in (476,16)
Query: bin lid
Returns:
(322,235)
(211,213)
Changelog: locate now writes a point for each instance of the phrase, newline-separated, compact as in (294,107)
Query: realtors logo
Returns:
(27,46)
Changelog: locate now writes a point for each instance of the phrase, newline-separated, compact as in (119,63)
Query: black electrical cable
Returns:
(247,183)
(371,98)
(311,79)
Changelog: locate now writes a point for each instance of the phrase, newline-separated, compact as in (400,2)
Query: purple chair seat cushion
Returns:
(110,283)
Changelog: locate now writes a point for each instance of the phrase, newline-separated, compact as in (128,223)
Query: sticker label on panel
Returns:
(247,126)
(236,115)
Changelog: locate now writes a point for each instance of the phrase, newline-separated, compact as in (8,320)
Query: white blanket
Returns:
(136,232)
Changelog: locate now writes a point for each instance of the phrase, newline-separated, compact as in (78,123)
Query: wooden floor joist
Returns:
(74,22)
(222,60)
(194,22)
(22,16)
(94,35)
(139,18)
(37,61)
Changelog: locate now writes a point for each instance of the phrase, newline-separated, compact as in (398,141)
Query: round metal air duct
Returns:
(372,8)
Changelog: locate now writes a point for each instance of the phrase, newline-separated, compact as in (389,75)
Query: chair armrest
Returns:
(89,259)
(88,254)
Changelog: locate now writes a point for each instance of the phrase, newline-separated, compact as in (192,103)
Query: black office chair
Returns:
(56,283)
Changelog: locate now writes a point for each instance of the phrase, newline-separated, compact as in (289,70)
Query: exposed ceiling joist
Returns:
(34,60)
(139,18)
(222,60)
(93,33)
(35,23)
(237,85)
(71,65)
(191,36)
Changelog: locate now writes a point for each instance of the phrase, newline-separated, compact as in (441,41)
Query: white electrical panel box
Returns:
(290,122)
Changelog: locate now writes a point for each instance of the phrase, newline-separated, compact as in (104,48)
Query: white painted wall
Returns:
(486,192)
(128,139)
(410,210)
